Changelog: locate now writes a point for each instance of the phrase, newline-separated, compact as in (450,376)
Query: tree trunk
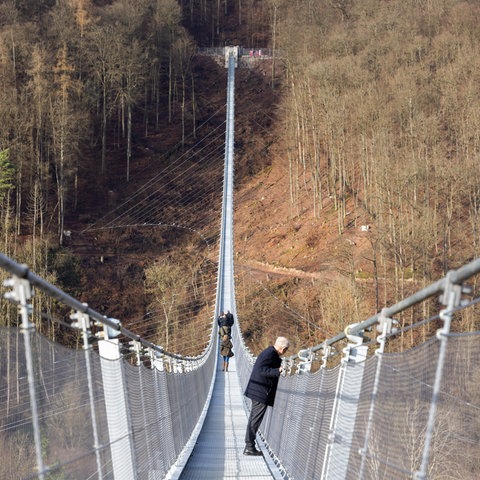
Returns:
(129,139)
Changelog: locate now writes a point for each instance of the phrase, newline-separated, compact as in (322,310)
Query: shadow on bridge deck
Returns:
(218,453)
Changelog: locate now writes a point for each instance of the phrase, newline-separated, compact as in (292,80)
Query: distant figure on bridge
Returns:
(226,351)
(262,388)
(225,322)
(222,324)
(230,320)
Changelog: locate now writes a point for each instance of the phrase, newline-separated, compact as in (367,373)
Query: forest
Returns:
(357,156)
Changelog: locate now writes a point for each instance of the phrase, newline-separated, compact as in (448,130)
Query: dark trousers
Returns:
(254,420)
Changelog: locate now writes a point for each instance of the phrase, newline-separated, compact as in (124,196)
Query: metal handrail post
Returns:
(83,323)
(451,298)
(385,327)
(22,293)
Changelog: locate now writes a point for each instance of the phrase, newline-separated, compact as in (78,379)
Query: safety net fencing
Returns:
(377,415)
(381,425)
(95,417)
(370,419)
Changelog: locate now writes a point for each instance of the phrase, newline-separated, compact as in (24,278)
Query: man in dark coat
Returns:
(262,388)
(229,318)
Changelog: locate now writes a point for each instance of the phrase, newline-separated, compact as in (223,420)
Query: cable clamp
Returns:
(356,342)
(306,357)
(327,353)
(385,327)
(452,292)
(21,293)
(82,322)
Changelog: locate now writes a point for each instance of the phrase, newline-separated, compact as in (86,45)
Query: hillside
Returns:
(278,255)
(356,166)
(262,217)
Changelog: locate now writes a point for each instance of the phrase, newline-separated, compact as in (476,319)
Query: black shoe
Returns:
(252,451)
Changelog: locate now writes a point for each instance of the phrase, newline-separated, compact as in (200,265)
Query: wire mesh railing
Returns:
(78,414)
(93,413)
(409,415)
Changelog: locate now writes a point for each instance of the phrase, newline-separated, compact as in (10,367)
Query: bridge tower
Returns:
(231,52)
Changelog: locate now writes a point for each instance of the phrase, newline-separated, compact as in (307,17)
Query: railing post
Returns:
(451,298)
(385,326)
(136,348)
(344,411)
(83,324)
(317,417)
(117,410)
(21,294)
(159,363)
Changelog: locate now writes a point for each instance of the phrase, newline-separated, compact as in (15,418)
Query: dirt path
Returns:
(265,271)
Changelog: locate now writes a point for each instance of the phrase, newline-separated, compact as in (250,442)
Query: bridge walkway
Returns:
(218,453)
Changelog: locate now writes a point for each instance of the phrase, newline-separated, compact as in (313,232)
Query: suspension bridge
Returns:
(91,414)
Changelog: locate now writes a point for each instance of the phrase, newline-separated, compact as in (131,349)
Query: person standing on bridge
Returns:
(225,322)
(229,320)
(262,388)
(222,322)
(226,351)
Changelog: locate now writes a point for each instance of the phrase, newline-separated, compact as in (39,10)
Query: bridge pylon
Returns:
(232,52)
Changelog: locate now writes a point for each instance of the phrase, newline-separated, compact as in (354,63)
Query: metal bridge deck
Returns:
(218,453)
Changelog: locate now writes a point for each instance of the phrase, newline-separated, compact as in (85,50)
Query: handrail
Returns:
(453,276)
(22,271)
